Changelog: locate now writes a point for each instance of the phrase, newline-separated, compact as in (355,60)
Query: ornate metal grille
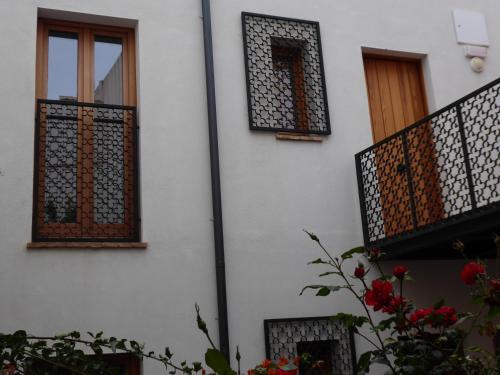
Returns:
(285,76)
(86,172)
(284,336)
(443,169)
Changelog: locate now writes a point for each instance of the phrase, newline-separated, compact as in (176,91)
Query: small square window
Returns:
(285,75)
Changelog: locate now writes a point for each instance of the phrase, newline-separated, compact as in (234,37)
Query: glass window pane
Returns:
(61,147)
(109,166)
(63,66)
(108,76)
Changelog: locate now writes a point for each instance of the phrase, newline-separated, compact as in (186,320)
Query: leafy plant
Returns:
(411,340)
(21,353)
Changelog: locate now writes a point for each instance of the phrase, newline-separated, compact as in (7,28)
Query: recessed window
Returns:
(118,364)
(326,340)
(86,185)
(285,77)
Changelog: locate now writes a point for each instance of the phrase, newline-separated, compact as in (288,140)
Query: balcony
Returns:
(86,173)
(436,181)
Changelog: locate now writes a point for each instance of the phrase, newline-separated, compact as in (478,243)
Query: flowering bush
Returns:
(285,366)
(411,340)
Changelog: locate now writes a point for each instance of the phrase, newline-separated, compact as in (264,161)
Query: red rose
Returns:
(470,272)
(359,272)
(396,304)
(380,295)
(272,371)
(282,361)
(266,363)
(419,315)
(400,272)
(448,315)
(287,372)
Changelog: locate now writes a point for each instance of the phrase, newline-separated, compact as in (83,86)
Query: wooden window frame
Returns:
(85,94)
(86,34)
(294,55)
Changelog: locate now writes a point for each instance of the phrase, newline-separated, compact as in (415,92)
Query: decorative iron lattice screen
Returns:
(285,76)
(283,336)
(444,168)
(86,172)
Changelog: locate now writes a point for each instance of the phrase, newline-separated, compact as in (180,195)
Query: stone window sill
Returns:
(87,245)
(298,137)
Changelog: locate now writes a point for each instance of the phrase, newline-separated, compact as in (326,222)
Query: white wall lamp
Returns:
(471,32)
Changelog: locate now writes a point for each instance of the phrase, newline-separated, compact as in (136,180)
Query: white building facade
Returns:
(273,184)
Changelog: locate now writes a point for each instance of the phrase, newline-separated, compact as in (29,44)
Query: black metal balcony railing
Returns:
(439,172)
(86,172)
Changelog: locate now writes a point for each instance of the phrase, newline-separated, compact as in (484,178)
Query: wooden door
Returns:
(397,99)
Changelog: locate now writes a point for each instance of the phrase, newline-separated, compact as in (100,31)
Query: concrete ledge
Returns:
(87,245)
(298,137)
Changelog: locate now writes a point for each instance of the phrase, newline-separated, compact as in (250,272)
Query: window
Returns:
(329,341)
(285,77)
(119,364)
(86,184)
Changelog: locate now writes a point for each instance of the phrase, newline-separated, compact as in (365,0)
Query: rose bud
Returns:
(359,271)
(400,272)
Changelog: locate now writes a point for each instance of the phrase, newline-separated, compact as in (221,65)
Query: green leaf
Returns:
(350,320)
(439,304)
(318,261)
(494,312)
(324,290)
(390,340)
(385,324)
(380,360)
(329,273)
(217,362)
(437,354)
(113,344)
(478,299)
(168,353)
(357,250)
(364,362)
(311,287)
(196,366)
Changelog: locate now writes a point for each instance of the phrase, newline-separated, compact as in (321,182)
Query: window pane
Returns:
(63,66)
(283,98)
(61,145)
(109,166)
(108,76)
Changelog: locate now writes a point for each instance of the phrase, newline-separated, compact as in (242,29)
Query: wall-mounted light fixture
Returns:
(471,32)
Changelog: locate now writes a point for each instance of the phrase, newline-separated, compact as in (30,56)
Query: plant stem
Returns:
(56,364)
(468,332)
(338,266)
(367,339)
(89,343)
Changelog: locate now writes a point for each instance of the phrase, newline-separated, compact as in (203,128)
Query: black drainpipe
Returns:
(220,268)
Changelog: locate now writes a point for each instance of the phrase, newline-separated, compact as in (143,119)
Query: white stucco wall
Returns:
(270,189)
